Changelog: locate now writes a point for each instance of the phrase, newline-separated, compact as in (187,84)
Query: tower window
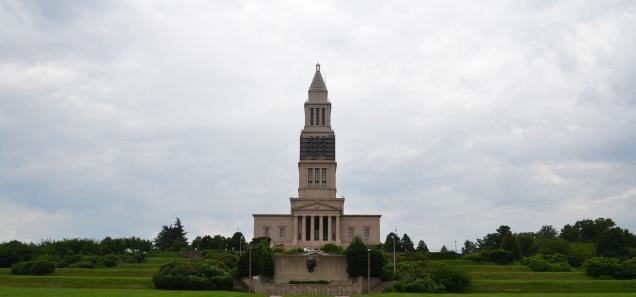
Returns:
(323,116)
(324,177)
(310,177)
(367,232)
(312,116)
(266,231)
(281,232)
(317,175)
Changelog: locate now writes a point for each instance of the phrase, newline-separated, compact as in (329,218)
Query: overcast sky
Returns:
(451,117)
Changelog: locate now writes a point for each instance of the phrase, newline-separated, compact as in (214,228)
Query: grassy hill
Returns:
(136,280)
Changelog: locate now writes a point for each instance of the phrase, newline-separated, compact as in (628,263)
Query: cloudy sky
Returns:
(451,117)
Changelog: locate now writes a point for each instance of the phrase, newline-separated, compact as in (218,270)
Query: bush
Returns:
(14,251)
(601,267)
(450,278)
(36,267)
(82,264)
(540,264)
(331,248)
(498,256)
(187,276)
(110,260)
(228,259)
(421,284)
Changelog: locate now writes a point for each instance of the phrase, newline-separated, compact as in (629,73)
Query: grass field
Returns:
(136,280)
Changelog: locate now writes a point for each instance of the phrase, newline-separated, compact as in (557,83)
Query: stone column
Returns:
(311,228)
(338,229)
(302,228)
(294,232)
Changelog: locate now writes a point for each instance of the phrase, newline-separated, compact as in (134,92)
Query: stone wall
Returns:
(356,287)
(332,268)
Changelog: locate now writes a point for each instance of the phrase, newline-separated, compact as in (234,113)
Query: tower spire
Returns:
(317,84)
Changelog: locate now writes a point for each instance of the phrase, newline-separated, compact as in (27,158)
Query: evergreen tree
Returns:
(237,242)
(171,237)
(509,243)
(388,243)
(421,247)
(444,249)
(407,243)
(469,247)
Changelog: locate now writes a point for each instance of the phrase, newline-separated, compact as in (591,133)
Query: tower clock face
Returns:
(318,148)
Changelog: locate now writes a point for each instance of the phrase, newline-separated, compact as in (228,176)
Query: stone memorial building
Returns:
(317,216)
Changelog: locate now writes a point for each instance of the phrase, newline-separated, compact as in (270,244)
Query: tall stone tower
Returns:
(317,215)
(317,165)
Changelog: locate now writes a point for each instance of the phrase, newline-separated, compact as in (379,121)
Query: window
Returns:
(312,116)
(324,177)
(352,232)
(317,175)
(323,116)
(310,176)
(266,231)
(317,116)
(281,232)
(367,232)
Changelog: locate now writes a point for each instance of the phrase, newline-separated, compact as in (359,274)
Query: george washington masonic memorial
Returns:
(317,216)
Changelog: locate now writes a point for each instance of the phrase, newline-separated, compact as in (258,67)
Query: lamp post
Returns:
(394,266)
(250,270)
(368,271)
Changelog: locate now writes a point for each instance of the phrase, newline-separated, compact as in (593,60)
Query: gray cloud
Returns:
(451,118)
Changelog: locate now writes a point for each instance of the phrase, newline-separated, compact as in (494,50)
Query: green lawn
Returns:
(59,292)
(136,280)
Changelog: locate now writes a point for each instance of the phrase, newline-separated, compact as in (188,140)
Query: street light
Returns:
(368,271)
(250,270)
(394,266)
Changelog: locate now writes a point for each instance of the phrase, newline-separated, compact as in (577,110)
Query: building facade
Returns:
(317,216)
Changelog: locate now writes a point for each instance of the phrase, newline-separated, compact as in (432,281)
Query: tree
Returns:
(407,243)
(357,259)
(262,258)
(237,242)
(392,238)
(171,237)
(421,247)
(547,231)
(444,249)
(509,243)
(611,243)
(525,242)
(469,247)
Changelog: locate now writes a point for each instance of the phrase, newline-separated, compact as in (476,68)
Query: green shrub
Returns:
(331,248)
(188,276)
(110,260)
(135,257)
(14,251)
(601,267)
(293,251)
(450,278)
(498,256)
(227,258)
(36,267)
(421,284)
(540,264)
(82,264)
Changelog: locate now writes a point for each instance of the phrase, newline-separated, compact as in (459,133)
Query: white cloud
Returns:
(451,118)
